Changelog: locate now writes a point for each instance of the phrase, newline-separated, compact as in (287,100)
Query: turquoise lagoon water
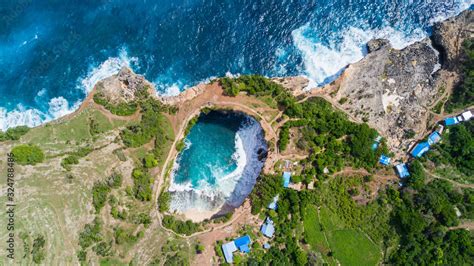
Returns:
(220,163)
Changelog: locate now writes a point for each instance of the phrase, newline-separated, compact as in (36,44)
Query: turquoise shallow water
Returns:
(220,162)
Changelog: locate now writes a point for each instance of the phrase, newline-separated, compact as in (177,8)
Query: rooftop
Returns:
(420,149)
(451,121)
(286,179)
(402,170)
(433,138)
(268,229)
(385,160)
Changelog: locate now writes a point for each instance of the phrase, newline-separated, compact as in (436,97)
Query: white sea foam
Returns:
(59,106)
(109,67)
(172,90)
(20,117)
(31,117)
(323,63)
(231,188)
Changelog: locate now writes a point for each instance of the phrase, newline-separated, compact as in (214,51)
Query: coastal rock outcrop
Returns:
(449,36)
(394,90)
(123,87)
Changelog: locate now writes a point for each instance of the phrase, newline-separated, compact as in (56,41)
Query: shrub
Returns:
(180,227)
(142,184)
(28,154)
(122,109)
(14,133)
(164,201)
(149,161)
(99,195)
(38,252)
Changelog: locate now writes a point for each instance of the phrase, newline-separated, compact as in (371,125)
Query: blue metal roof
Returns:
(286,179)
(385,160)
(451,121)
(266,246)
(268,229)
(434,138)
(402,170)
(273,204)
(244,248)
(242,241)
(420,149)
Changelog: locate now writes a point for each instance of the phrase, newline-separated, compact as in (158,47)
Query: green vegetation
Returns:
(13,133)
(422,218)
(180,227)
(122,109)
(262,87)
(38,252)
(100,190)
(27,154)
(152,125)
(164,201)
(91,234)
(73,158)
(463,95)
(457,148)
(149,161)
(267,187)
(142,184)
(332,140)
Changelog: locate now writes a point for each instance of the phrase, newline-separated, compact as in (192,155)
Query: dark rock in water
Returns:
(448,37)
(262,154)
(377,44)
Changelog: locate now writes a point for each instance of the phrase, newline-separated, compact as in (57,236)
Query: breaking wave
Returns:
(59,106)
(324,58)
(232,188)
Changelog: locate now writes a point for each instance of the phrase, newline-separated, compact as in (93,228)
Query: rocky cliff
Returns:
(394,90)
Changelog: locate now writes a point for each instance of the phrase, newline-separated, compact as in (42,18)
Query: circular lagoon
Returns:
(223,156)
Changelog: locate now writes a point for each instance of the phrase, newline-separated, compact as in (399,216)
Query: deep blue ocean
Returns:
(53,51)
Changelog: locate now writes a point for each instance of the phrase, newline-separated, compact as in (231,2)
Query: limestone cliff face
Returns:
(394,90)
(449,36)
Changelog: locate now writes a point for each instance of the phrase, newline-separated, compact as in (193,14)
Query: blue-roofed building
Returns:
(385,160)
(434,138)
(376,143)
(273,204)
(242,243)
(286,179)
(266,246)
(402,170)
(420,149)
(451,121)
(268,229)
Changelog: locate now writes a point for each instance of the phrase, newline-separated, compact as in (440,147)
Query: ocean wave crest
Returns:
(231,188)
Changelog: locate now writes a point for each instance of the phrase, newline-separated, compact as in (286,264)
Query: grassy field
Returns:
(345,245)
(56,204)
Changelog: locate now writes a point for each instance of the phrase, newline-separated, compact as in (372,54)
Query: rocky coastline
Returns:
(391,90)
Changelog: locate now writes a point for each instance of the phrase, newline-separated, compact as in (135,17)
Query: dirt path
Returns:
(468,225)
(456,184)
